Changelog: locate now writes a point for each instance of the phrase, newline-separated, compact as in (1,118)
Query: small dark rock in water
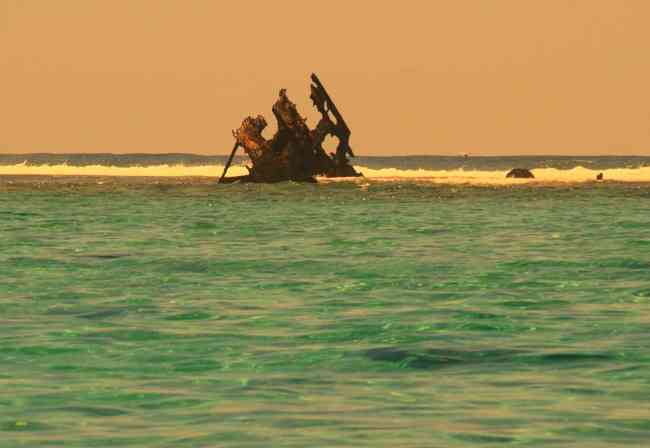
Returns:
(520,173)
(600,176)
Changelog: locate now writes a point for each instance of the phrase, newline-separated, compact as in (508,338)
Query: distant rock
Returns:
(520,173)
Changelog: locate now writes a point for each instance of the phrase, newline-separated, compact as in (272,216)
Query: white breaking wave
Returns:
(497,177)
(108,170)
(456,176)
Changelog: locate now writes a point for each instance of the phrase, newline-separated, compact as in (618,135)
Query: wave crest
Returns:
(455,176)
(64,169)
(498,177)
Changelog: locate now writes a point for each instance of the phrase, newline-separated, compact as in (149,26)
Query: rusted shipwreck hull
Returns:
(295,152)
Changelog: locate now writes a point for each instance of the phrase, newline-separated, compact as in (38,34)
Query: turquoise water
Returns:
(177,313)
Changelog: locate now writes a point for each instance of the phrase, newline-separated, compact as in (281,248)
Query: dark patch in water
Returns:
(642,292)
(196,315)
(172,404)
(483,438)
(441,358)
(584,391)
(104,256)
(387,354)
(97,315)
(438,358)
(569,358)
(93,411)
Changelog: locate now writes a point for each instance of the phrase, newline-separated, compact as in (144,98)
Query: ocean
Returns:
(432,303)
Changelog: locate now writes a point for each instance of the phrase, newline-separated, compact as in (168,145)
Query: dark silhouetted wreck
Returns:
(295,152)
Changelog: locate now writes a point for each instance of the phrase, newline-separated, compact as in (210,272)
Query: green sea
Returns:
(174,312)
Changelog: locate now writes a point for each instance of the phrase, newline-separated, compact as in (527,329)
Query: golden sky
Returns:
(410,76)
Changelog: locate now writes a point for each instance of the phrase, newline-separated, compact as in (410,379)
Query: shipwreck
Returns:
(295,152)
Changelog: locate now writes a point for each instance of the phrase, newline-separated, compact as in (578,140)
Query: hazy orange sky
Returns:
(411,77)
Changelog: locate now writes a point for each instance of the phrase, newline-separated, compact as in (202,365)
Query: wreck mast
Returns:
(295,152)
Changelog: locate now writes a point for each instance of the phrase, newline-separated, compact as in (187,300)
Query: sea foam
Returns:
(498,177)
(65,169)
(454,176)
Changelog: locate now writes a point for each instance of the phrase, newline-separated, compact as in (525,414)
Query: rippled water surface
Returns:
(177,313)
